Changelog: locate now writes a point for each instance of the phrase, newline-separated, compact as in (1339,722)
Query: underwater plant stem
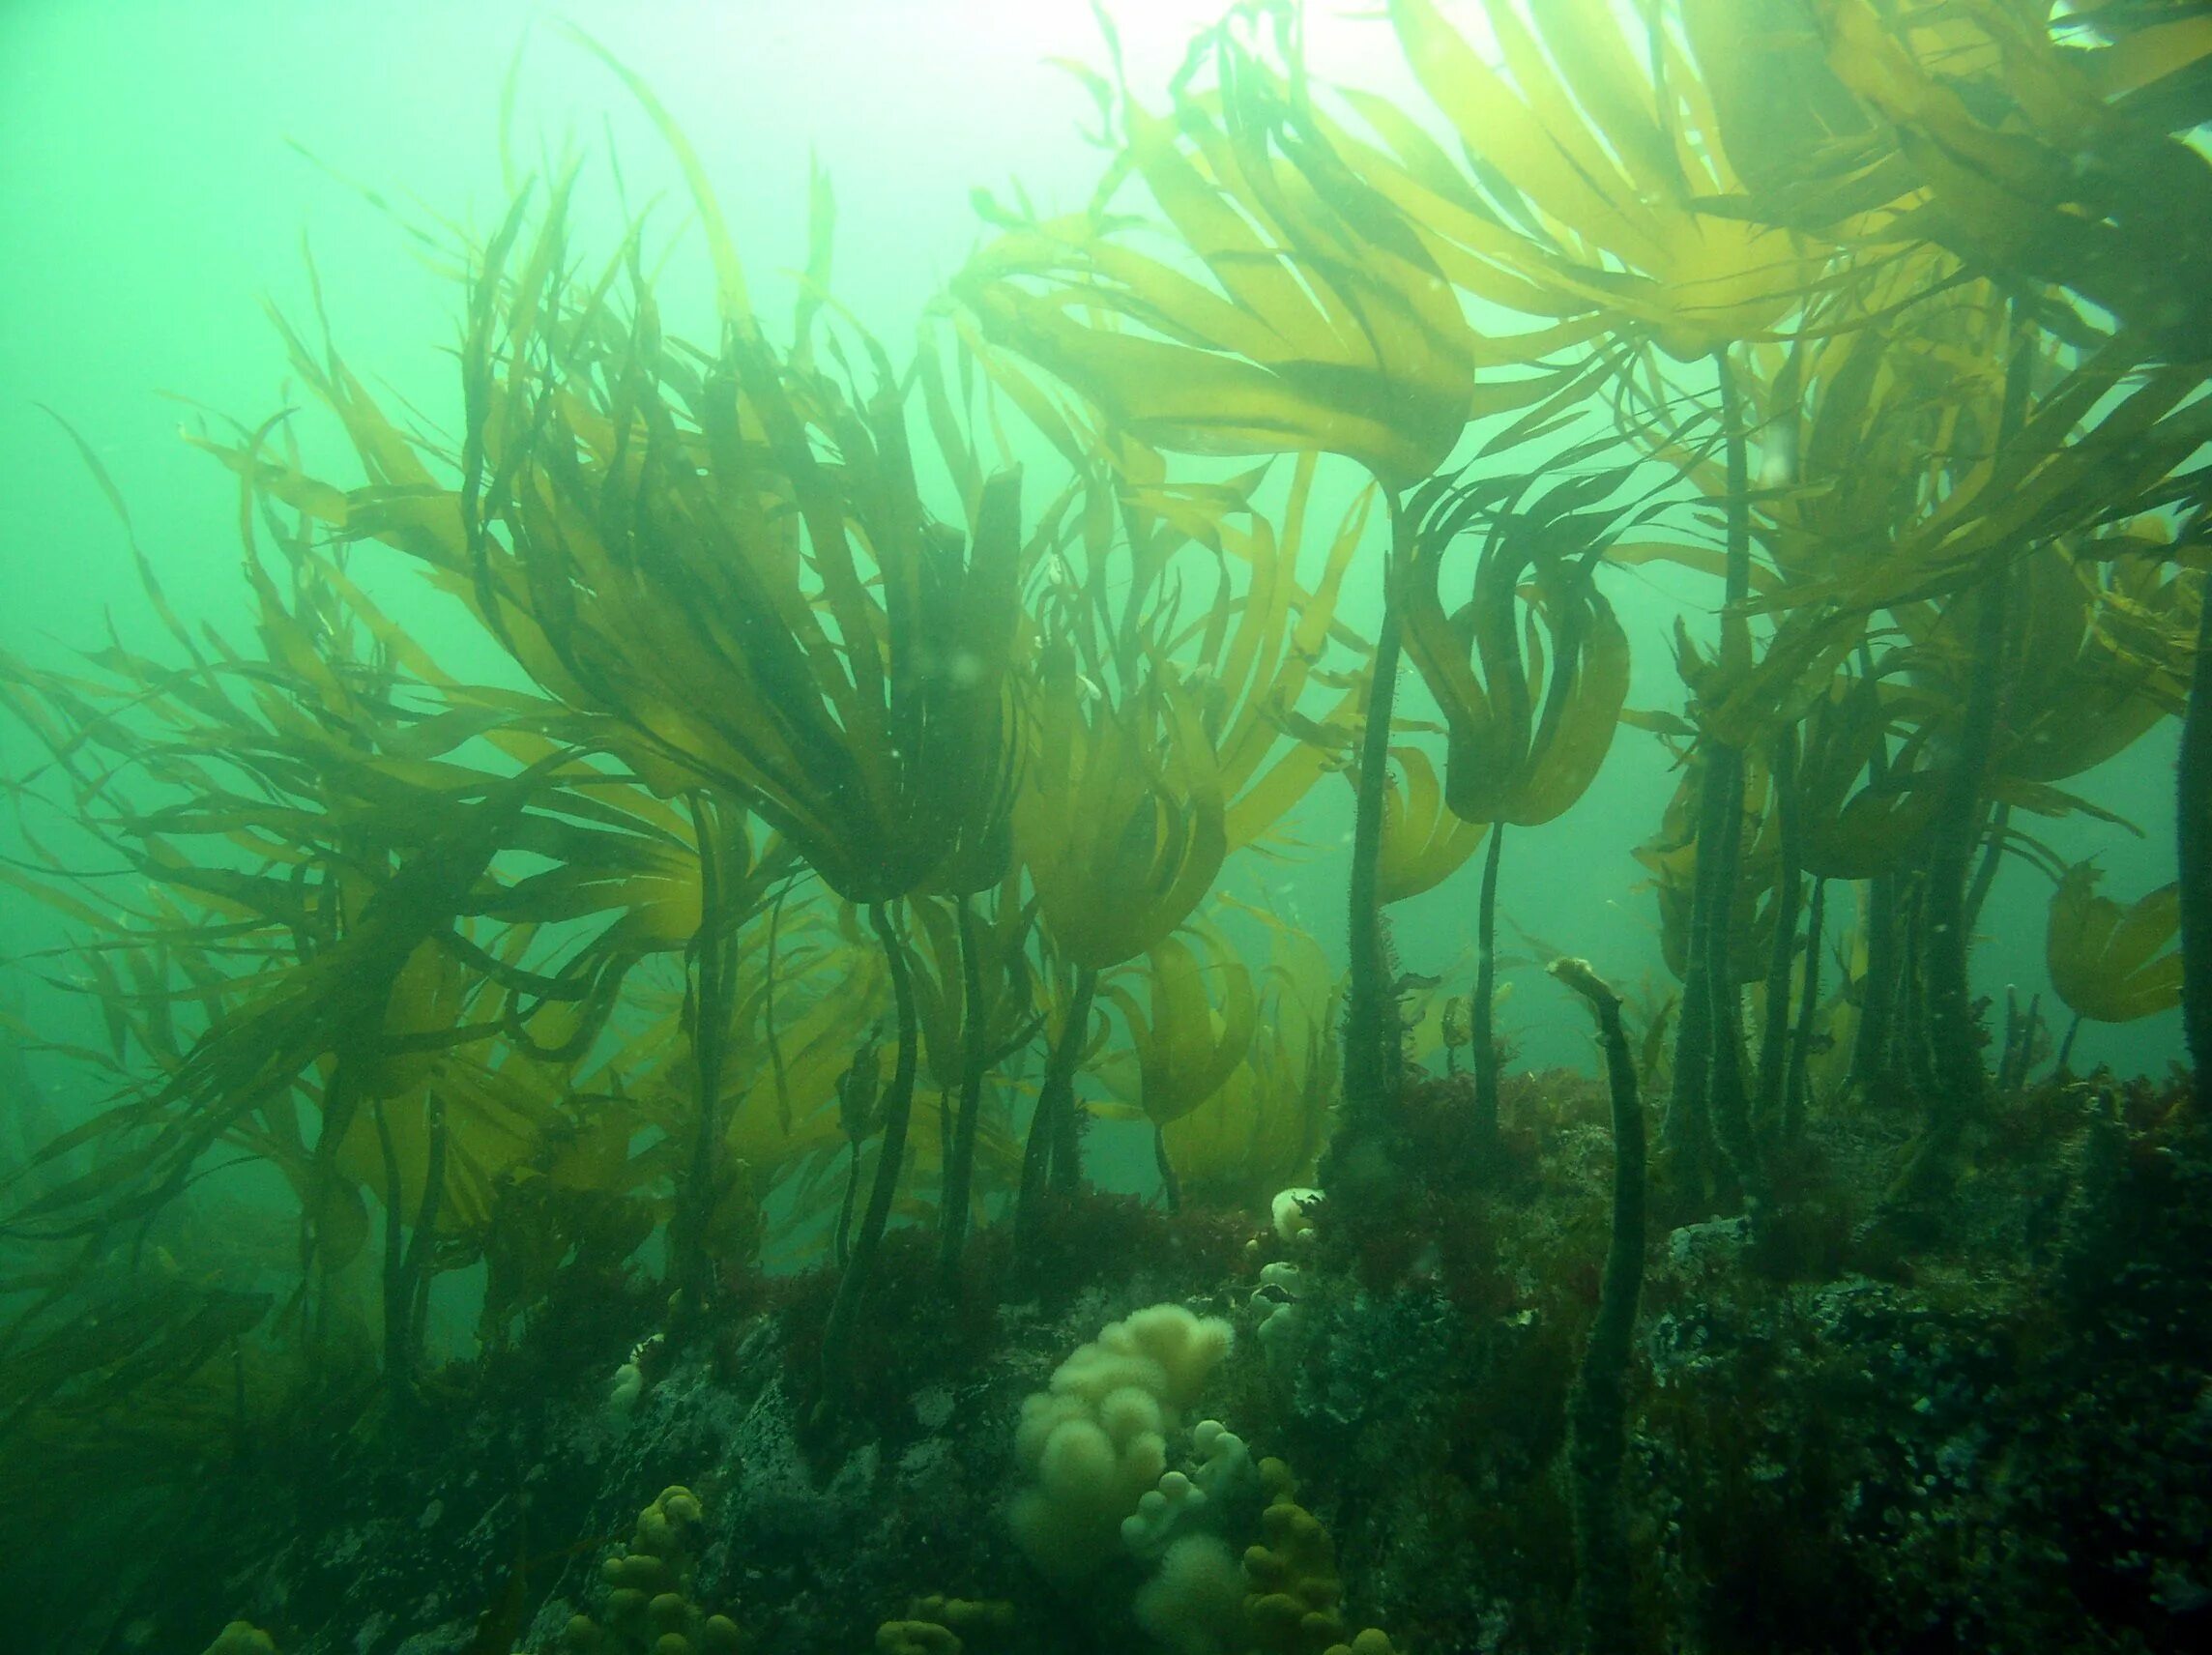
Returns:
(1065,1169)
(1912,1038)
(417,1270)
(1797,1083)
(406,1269)
(1728,1100)
(1993,858)
(709,1018)
(338,1105)
(1960,1081)
(768,1008)
(1597,1412)
(1483,1040)
(898,1107)
(396,1297)
(841,1244)
(2192,800)
(1960,1078)
(960,1160)
(1689,1124)
(2021,1030)
(1056,1095)
(2059,1064)
(1788,883)
(1735,629)
(1170,1186)
(1730,1105)
(1870,1048)
(1370,1034)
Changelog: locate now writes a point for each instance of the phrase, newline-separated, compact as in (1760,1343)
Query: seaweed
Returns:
(882,730)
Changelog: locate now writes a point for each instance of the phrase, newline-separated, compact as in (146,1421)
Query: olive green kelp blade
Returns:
(722,561)
(1424,843)
(2105,960)
(1532,671)
(1324,325)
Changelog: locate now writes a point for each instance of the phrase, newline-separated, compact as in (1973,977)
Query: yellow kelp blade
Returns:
(1323,324)
(2028,161)
(1590,185)
(490,1111)
(2098,448)
(1262,1131)
(2104,958)
(1262,666)
(1249,655)
(1588,688)
(1264,1128)
(1762,83)
(1529,727)
(998,934)
(1120,818)
(2085,697)
(732,578)
(1860,822)
(1423,843)
(1190,1026)
(730,293)
(846,991)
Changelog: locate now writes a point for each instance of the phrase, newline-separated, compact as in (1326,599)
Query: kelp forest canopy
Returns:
(889,715)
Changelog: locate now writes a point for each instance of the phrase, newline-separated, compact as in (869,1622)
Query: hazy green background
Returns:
(151,202)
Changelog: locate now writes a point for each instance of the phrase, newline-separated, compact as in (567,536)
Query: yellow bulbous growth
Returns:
(928,1628)
(648,1609)
(242,1638)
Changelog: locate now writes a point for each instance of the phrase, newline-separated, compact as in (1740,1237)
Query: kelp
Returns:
(107,1338)
(2193,812)
(1262,1129)
(337,969)
(688,500)
(821,796)
(1424,842)
(338,1005)
(1158,745)
(975,990)
(1928,456)
(1528,724)
(1322,324)
(720,561)
(1671,856)
(1650,183)
(1600,188)
(1169,728)
(369,863)
(1191,1017)
(2048,149)
(2108,961)
(1864,803)
(1122,818)
(1598,199)
(2095,656)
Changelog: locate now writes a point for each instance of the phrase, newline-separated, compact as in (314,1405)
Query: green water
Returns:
(356,1093)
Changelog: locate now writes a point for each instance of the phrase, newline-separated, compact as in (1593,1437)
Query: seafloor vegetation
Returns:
(596,1161)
